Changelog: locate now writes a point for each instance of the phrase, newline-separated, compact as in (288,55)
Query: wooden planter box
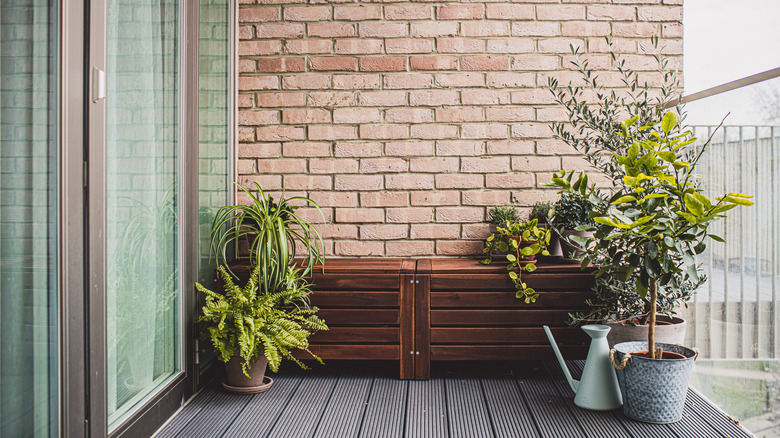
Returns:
(415,311)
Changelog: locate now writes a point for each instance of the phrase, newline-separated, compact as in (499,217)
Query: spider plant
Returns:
(272,230)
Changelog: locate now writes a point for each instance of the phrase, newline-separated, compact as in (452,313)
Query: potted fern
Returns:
(263,322)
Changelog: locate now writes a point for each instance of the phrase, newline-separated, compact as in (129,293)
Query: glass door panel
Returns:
(142,198)
(28,206)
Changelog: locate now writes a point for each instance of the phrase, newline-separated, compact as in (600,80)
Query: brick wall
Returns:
(407,121)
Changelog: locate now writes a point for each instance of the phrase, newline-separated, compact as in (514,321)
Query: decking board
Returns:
(366,399)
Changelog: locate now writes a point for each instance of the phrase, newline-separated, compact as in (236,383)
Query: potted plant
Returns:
(593,128)
(252,328)
(649,231)
(276,289)
(521,241)
(569,214)
(542,211)
(502,216)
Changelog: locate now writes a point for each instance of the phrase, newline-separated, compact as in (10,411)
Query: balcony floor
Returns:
(493,399)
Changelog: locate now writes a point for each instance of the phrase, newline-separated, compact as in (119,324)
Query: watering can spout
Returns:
(573,384)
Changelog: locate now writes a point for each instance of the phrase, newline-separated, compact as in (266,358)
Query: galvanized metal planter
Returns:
(653,390)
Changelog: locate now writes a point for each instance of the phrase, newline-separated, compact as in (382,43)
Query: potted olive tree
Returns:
(649,231)
(267,319)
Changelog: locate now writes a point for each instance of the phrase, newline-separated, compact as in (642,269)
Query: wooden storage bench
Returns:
(468,311)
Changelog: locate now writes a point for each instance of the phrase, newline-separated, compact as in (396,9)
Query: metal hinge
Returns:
(197,352)
(98,84)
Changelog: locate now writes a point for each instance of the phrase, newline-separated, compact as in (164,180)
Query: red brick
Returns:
(510,80)
(382,30)
(331,98)
(407,249)
(358,249)
(306,13)
(330,132)
(554,147)
(267,182)
(660,13)
(459,181)
(535,28)
(246,32)
(356,115)
(409,181)
(333,63)
(247,166)
(383,232)
(307,182)
(305,82)
(611,13)
(357,13)
(408,12)
(281,99)
(306,47)
(410,215)
(486,198)
(435,198)
(353,82)
(358,46)
(459,147)
(434,231)
(245,100)
(246,134)
(560,12)
(634,30)
(513,45)
(433,63)
(278,65)
(510,12)
(259,150)
(536,164)
(258,83)
(459,80)
(338,231)
(559,45)
(512,114)
(484,164)
(358,182)
(258,14)
(247,118)
(280,133)
(408,148)
(433,98)
(485,28)
(306,149)
(531,197)
(333,165)
(434,132)
(478,131)
(275,30)
(459,248)
(460,45)
(254,48)
(434,164)
(409,115)
(459,114)
(408,45)
(460,214)
(384,199)
(247,65)
(383,63)
(383,98)
(475,231)
(529,130)
(359,215)
(534,96)
(460,12)
(433,29)
(509,181)
(536,62)
(331,30)
(585,28)
(485,97)
(362,149)
(408,80)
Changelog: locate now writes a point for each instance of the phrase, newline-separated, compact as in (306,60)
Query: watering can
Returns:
(598,389)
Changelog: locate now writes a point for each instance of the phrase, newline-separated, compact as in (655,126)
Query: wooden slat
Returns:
(407,326)
(502,352)
(467,409)
(360,316)
(305,408)
(509,412)
(356,281)
(385,410)
(473,266)
(357,335)
(263,410)
(426,411)
(354,352)
(553,417)
(498,317)
(496,335)
(709,413)
(189,413)
(567,300)
(221,411)
(422,322)
(500,281)
(344,414)
(355,298)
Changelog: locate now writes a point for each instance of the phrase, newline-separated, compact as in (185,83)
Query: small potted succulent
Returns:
(570,216)
(521,241)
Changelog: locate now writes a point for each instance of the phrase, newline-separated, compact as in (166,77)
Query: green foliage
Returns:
(522,241)
(249,321)
(594,127)
(272,230)
(541,212)
(650,229)
(571,211)
(503,215)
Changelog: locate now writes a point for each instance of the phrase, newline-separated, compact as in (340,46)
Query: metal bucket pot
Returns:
(653,390)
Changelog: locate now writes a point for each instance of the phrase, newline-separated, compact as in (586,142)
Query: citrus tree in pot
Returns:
(651,229)
(267,319)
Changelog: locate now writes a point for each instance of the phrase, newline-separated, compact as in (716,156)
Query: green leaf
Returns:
(738,201)
(513,275)
(717,238)
(700,247)
(632,120)
(624,199)
(530,267)
(652,249)
(667,156)
(669,121)
(694,205)
(633,151)
(740,195)
(511,258)
(668,242)
(705,201)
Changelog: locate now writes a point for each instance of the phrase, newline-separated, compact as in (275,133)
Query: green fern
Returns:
(248,323)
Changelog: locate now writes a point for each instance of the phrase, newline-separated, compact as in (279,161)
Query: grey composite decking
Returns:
(347,399)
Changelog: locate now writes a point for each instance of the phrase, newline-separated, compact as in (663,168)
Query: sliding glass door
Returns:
(28,219)
(143,257)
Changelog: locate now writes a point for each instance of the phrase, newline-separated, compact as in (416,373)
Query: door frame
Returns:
(87,394)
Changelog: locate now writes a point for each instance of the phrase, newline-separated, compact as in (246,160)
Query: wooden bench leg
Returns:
(422,317)
(407,297)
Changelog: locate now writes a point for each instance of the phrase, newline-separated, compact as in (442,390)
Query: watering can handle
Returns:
(623,363)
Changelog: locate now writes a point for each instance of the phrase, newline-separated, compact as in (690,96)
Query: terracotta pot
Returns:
(667,330)
(237,379)
(571,252)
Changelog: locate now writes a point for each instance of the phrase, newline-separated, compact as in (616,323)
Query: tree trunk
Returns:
(651,320)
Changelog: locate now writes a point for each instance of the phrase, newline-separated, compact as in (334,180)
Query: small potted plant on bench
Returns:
(569,216)
(269,318)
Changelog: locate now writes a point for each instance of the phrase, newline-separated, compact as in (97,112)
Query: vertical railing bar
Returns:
(692,325)
(725,311)
(740,232)
(710,257)
(757,239)
(773,159)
